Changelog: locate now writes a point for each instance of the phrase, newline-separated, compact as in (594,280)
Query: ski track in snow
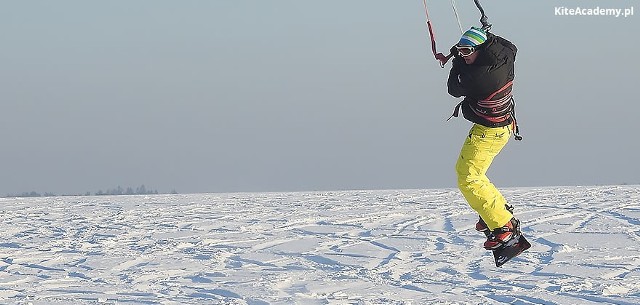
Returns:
(343,247)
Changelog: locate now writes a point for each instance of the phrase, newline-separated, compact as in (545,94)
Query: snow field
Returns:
(343,247)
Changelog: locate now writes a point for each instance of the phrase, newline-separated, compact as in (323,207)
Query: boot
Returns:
(502,236)
(481,226)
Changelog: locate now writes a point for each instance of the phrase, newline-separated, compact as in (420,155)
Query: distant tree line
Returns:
(141,190)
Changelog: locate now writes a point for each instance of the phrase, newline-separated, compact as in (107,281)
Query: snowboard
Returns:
(510,250)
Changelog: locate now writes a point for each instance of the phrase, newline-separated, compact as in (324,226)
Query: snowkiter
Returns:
(483,73)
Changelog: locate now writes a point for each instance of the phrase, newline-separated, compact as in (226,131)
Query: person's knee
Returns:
(463,183)
(464,175)
(462,169)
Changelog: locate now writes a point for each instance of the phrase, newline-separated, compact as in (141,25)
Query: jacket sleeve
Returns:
(453,83)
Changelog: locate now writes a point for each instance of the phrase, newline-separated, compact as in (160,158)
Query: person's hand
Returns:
(454,51)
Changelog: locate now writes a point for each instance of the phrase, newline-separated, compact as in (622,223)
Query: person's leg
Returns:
(479,149)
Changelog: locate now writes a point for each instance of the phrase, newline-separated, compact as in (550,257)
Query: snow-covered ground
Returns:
(343,247)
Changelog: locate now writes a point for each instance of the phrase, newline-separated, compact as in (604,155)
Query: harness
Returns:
(497,108)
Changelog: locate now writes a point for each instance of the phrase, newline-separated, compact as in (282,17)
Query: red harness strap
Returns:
(507,85)
(496,110)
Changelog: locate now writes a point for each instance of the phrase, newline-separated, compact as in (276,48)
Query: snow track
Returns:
(351,247)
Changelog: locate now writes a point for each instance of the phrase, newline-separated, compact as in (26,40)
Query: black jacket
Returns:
(492,69)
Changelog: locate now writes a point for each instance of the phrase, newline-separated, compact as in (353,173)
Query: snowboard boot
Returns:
(504,236)
(481,226)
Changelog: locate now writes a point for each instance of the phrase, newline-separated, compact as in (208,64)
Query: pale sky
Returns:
(250,95)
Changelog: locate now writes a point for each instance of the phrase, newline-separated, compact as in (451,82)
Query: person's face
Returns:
(469,54)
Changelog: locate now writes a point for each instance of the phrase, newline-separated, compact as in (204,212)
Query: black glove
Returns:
(454,51)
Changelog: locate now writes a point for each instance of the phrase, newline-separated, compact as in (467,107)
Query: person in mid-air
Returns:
(483,73)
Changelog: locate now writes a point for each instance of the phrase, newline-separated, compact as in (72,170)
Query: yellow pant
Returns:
(478,151)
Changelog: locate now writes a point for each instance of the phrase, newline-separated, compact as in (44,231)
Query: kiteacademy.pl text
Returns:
(595,11)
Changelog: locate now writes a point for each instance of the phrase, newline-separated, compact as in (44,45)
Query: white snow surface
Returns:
(342,247)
